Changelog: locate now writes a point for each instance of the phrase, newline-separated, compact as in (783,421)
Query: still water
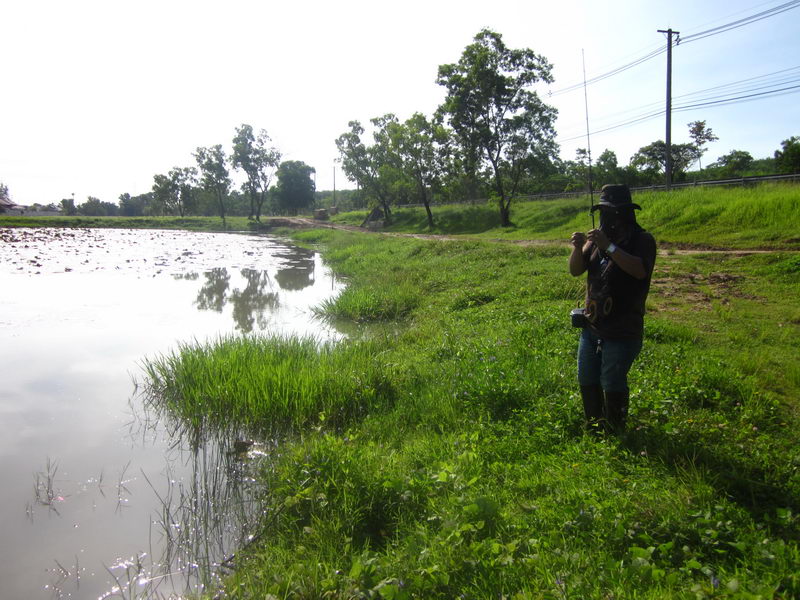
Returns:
(100,497)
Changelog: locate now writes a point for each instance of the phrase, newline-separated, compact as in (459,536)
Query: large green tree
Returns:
(495,113)
(214,175)
(734,163)
(787,159)
(253,154)
(295,188)
(375,168)
(421,146)
(653,157)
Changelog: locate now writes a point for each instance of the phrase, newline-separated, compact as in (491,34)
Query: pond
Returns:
(101,497)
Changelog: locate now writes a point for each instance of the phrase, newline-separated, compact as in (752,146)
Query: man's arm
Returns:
(577,264)
(632,265)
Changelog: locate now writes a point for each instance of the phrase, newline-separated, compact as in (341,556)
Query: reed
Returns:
(270,381)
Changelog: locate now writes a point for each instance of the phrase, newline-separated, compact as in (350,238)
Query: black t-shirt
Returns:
(615,300)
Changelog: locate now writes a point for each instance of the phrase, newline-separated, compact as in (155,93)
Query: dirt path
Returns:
(664,248)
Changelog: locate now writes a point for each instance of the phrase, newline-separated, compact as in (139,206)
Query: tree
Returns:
(295,188)
(134,206)
(5,197)
(214,175)
(421,146)
(701,135)
(68,207)
(174,192)
(94,207)
(253,155)
(607,169)
(374,168)
(653,157)
(491,107)
(736,162)
(787,159)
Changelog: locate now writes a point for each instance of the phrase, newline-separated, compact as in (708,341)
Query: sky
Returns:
(100,96)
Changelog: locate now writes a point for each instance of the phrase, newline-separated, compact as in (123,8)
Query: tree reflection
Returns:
(213,294)
(299,272)
(253,303)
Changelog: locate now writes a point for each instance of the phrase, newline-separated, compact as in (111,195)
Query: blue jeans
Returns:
(610,366)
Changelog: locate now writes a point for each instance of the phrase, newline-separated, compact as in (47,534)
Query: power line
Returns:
(742,22)
(719,101)
(687,39)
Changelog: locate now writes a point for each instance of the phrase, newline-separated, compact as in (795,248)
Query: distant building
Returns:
(8,207)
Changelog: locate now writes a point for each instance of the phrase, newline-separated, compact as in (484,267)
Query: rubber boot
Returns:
(616,410)
(593,407)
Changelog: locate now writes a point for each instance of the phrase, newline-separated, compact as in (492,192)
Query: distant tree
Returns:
(5,197)
(134,206)
(787,159)
(214,175)
(653,157)
(68,207)
(295,188)
(736,162)
(607,169)
(94,207)
(174,192)
(253,155)
(701,135)
(494,112)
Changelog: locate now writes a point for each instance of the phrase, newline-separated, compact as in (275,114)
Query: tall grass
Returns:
(271,382)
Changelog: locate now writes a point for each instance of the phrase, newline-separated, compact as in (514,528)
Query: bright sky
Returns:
(99,96)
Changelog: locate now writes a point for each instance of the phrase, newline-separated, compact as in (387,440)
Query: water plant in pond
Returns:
(272,382)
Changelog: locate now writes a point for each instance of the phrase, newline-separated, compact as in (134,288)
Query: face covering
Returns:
(609,222)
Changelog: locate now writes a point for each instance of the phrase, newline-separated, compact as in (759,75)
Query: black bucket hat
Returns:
(615,196)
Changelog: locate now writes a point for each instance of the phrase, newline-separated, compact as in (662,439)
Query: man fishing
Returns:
(619,258)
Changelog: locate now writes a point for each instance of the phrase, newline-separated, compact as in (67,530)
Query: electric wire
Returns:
(722,101)
(686,39)
(741,22)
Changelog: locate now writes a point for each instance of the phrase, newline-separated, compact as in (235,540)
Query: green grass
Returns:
(764,216)
(466,472)
(443,454)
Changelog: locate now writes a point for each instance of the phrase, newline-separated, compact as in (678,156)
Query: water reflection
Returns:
(212,509)
(251,305)
(299,272)
(214,293)
(72,332)
(209,505)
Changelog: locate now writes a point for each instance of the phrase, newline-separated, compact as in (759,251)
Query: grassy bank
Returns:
(445,456)
(764,216)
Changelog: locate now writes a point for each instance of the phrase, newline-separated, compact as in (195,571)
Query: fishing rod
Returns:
(588,141)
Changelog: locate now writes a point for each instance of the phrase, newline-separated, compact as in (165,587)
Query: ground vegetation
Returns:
(440,453)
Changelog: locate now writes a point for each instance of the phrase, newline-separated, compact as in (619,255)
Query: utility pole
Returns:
(668,141)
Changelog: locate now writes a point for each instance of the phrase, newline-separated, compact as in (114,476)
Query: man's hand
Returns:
(578,239)
(599,238)
(577,264)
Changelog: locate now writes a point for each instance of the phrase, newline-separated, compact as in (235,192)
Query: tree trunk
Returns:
(505,213)
(430,214)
